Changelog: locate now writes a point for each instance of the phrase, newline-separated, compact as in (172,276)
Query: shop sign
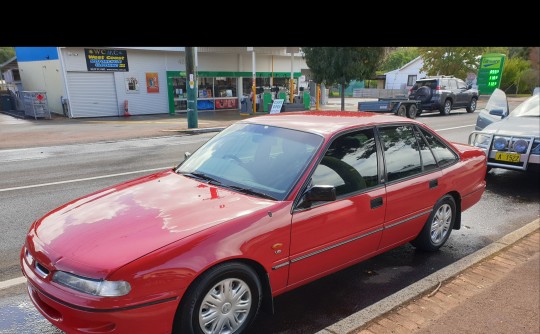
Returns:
(106,60)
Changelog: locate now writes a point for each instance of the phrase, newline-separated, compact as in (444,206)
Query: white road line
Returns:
(83,179)
(12,282)
(457,127)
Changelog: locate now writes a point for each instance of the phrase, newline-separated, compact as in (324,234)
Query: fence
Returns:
(379,93)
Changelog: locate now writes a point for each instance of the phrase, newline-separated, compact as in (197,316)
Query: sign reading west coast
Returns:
(106,60)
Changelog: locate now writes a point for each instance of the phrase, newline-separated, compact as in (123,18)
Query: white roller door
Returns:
(92,94)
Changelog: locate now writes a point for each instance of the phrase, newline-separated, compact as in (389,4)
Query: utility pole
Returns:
(191,90)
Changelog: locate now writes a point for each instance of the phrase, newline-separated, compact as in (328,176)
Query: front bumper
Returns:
(147,318)
(530,159)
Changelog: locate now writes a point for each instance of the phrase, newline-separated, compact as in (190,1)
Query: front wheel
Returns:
(438,226)
(446,108)
(225,299)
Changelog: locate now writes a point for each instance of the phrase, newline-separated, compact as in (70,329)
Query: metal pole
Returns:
(253,86)
(291,88)
(318,96)
(191,90)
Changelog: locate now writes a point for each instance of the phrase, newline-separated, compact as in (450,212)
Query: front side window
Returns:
(401,153)
(349,164)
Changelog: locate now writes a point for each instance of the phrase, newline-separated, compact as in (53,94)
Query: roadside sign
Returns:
(276,106)
(490,72)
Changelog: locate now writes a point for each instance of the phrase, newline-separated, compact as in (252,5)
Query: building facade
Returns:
(97,82)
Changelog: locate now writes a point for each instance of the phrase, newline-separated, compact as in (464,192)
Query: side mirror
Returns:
(321,193)
(497,112)
(187,155)
(318,193)
(469,86)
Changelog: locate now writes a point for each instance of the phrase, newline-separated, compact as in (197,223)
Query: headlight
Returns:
(520,146)
(481,140)
(92,286)
(499,144)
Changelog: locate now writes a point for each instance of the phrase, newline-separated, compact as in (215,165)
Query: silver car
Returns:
(511,140)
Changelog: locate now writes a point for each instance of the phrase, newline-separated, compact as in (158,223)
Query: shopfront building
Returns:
(97,82)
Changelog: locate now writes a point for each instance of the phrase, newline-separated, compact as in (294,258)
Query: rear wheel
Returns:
(225,299)
(412,111)
(438,226)
(446,107)
(402,111)
(472,105)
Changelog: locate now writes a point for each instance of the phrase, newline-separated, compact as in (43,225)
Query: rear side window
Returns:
(401,151)
(443,154)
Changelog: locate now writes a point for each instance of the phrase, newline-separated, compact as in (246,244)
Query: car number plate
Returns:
(509,157)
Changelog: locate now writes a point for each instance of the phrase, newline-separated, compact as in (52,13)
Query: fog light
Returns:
(520,146)
(499,144)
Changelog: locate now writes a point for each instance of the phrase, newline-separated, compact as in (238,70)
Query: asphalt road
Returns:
(510,201)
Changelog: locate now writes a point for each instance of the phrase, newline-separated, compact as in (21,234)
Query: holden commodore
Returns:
(267,205)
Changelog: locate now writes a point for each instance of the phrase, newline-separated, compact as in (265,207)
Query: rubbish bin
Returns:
(5,102)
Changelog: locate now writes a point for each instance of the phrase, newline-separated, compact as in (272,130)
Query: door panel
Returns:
(408,206)
(335,234)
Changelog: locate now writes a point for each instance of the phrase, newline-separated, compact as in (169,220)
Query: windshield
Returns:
(529,108)
(497,101)
(254,159)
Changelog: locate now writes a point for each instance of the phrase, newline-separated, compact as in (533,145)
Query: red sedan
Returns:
(267,205)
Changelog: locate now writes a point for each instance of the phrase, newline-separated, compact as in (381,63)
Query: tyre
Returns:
(438,226)
(472,105)
(412,111)
(402,111)
(224,299)
(446,107)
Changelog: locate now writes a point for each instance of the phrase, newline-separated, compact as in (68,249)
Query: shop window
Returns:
(179,88)
(205,87)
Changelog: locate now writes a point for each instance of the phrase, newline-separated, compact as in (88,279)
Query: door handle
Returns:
(376,202)
(433,183)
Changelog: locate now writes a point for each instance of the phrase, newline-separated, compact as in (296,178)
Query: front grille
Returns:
(41,270)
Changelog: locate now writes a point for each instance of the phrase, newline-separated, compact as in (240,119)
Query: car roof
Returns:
(326,123)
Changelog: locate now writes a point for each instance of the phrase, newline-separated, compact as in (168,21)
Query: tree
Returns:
(6,53)
(340,65)
(456,61)
(513,78)
(399,57)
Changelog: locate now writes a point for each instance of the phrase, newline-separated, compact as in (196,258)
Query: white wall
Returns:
(139,62)
(397,79)
(43,76)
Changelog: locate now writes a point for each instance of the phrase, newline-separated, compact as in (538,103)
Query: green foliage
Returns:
(6,53)
(398,58)
(457,61)
(518,76)
(340,65)
(519,52)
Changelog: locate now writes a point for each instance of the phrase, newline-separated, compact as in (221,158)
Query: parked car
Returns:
(265,206)
(443,93)
(511,140)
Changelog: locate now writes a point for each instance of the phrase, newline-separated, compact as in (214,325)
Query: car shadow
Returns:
(522,186)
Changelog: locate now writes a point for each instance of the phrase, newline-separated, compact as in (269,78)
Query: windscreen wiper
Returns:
(249,191)
(202,176)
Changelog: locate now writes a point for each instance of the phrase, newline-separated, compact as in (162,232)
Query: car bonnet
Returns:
(107,229)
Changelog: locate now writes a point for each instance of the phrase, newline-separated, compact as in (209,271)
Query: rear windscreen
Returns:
(431,84)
